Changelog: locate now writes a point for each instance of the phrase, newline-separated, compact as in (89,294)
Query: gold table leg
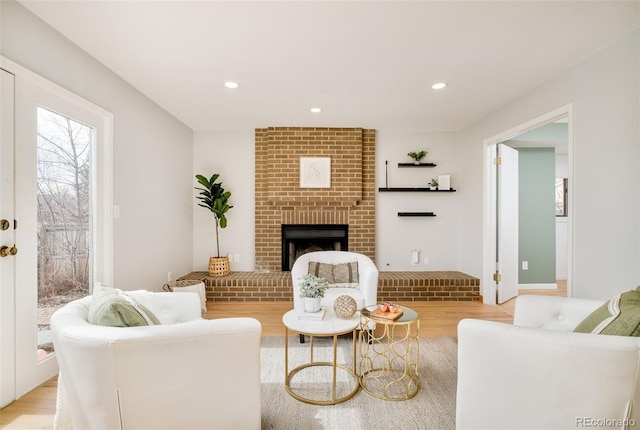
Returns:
(389,362)
(289,374)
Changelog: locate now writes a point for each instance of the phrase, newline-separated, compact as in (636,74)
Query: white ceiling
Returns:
(366,63)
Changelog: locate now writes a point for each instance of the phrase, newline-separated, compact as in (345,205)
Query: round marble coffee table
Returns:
(329,326)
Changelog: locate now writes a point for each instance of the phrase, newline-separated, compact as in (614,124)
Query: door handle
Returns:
(5,224)
(5,251)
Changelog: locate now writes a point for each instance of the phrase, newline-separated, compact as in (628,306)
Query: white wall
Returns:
(604,90)
(159,231)
(232,155)
(152,154)
(396,237)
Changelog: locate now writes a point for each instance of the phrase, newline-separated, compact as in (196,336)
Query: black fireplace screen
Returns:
(298,239)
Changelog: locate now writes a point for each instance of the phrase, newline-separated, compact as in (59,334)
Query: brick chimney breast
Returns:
(280,199)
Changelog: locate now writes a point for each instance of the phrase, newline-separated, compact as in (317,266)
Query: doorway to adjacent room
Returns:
(509,248)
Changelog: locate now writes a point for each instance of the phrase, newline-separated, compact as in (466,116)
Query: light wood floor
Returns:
(35,410)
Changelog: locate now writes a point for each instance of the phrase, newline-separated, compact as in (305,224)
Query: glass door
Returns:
(64,161)
(61,194)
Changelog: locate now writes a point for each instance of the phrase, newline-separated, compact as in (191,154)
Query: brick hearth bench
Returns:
(392,286)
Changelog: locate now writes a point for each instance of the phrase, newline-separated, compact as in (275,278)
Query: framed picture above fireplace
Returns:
(315,172)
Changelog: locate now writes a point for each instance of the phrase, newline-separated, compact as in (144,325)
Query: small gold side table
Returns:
(389,360)
(329,326)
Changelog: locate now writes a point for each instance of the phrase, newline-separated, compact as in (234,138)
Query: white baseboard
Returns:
(553,286)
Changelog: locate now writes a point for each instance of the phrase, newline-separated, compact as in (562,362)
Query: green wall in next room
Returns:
(537,221)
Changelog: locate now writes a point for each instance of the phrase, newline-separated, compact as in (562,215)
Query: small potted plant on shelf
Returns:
(433,184)
(417,156)
(312,289)
(214,198)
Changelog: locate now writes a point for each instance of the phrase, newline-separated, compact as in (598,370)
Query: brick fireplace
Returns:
(350,202)
(280,201)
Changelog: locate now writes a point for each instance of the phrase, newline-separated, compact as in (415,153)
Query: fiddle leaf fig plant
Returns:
(214,197)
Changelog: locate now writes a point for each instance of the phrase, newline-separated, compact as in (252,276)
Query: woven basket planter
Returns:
(219,266)
(181,284)
(187,282)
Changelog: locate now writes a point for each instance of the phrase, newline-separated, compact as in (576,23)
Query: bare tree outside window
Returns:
(64,201)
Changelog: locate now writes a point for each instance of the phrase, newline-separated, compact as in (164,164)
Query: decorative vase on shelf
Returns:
(312,304)
(417,156)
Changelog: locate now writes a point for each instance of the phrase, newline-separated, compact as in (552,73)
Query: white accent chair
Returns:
(365,293)
(188,373)
(539,374)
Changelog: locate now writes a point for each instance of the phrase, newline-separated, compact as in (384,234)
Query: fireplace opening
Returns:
(298,239)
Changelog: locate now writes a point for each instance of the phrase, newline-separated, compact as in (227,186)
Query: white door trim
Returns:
(489,233)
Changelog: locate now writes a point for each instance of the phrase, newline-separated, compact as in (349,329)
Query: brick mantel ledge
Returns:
(393,286)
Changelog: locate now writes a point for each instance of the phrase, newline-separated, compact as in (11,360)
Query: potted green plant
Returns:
(417,156)
(214,198)
(433,184)
(312,289)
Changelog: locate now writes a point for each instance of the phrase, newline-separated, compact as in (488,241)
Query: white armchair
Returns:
(188,373)
(539,374)
(365,293)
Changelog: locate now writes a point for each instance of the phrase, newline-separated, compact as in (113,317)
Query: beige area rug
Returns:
(433,407)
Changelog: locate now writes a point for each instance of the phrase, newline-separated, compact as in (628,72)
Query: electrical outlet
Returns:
(427,261)
(236,258)
(415,257)
(525,265)
(169,276)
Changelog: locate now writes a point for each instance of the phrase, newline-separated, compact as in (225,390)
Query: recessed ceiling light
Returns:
(316,109)
(231,84)
(438,86)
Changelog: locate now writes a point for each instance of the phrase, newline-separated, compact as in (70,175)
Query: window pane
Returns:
(561,197)
(64,214)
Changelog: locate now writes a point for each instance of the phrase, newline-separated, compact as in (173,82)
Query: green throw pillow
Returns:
(114,308)
(619,316)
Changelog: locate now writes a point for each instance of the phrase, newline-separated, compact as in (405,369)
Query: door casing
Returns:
(489,235)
